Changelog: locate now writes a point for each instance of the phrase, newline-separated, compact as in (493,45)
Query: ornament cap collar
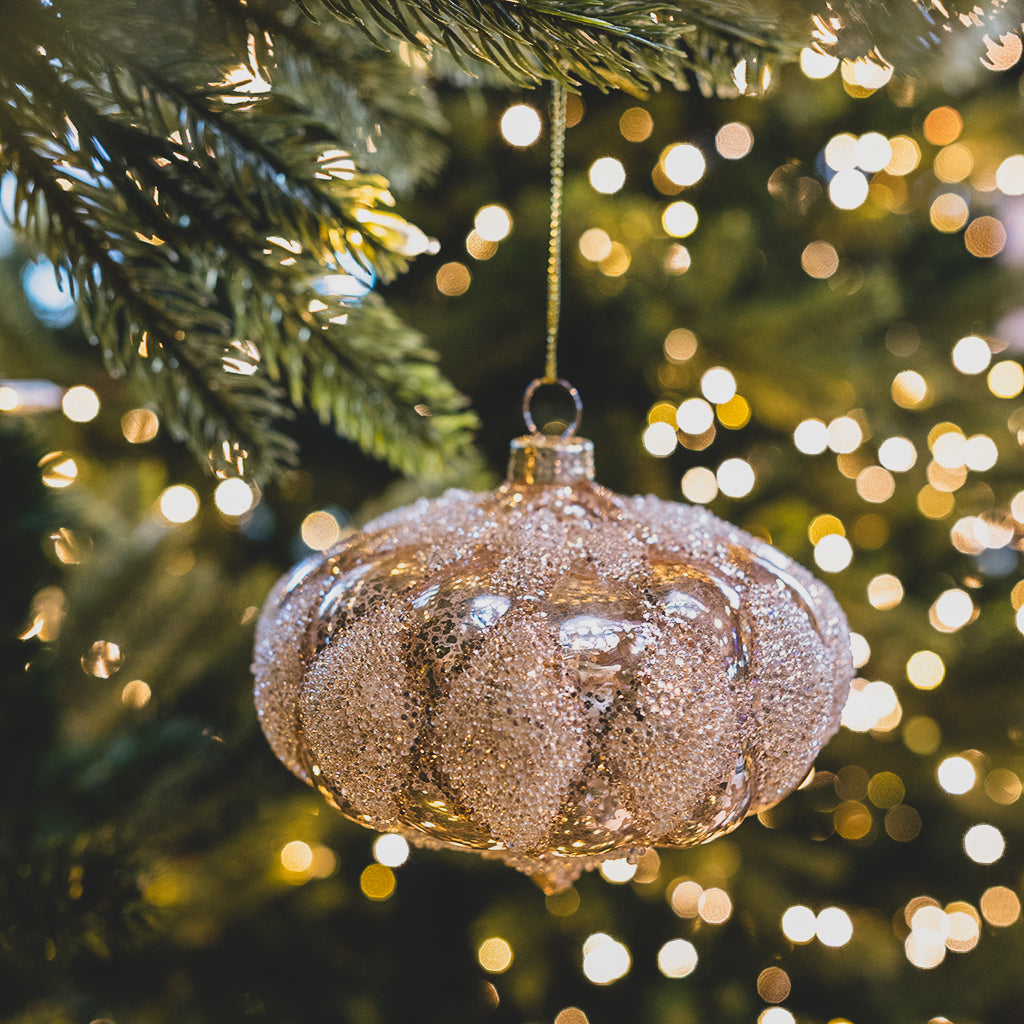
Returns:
(540,459)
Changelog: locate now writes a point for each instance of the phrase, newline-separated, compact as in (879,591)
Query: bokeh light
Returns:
(699,485)
(909,389)
(819,259)
(391,850)
(953,163)
(714,906)
(833,553)
(453,279)
(811,437)
(952,610)
(136,694)
(234,497)
(885,591)
(684,897)
(571,1015)
(595,245)
(1010,175)
(683,164)
(80,404)
(377,882)
(677,958)
(848,189)
(718,385)
(1006,379)
(660,439)
(521,125)
(985,237)
(925,670)
(776,1015)
(972,355)
(773,985)
(871,706)
(636,124)
(494,955)
(984,844)
(844,435)
(734,140)
(103,659)
(815,64)
(139,426)
(680,345)
(604,959)
(897,454)
(319,530)
(875,484)
(694,416)
(798,924)
(179,504)
(679,219)
(492,223)
(58,470)
(296,856)
(735,478)
(906,155)
(617,871)
(948,212)
(607,175)
(956,775)
(1000,906)
(942,126)
(833,927)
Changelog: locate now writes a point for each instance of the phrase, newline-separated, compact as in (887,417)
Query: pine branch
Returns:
(632,44)
(198,211)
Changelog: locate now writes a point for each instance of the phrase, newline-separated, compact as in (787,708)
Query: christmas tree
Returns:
(297,237)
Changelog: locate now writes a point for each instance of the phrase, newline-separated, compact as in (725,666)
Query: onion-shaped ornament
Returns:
(551,674)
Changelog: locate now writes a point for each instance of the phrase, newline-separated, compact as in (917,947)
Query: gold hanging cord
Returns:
(558,98)
(555,235)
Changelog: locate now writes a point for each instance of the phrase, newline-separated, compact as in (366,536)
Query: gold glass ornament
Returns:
(551,674)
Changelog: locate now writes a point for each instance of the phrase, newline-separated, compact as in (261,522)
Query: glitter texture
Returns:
(552,673)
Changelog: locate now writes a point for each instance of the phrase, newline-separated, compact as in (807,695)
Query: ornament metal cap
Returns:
(538,459)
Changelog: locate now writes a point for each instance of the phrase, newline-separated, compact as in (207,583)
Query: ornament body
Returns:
(551,674)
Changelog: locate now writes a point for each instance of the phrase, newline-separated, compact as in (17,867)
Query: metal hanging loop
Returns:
(528,394)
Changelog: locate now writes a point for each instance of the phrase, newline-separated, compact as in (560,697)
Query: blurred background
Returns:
(804,310)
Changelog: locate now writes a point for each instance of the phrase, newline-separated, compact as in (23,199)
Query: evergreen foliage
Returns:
(205,218)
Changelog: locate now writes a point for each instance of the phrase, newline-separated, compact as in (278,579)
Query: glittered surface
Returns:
(553,674)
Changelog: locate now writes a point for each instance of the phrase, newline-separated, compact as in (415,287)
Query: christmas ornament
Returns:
(551,674)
